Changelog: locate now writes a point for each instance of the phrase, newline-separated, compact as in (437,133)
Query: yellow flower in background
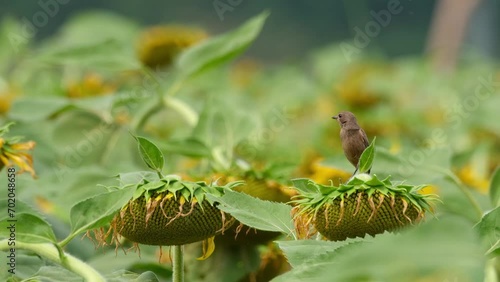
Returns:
(159,45)
(323,174)
(7,95)
(5,102)
(91,85)
(12,152)
(245,71)
(429,190)
(353,88)
(469,176)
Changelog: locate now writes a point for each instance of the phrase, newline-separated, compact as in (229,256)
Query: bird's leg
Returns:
(355,171)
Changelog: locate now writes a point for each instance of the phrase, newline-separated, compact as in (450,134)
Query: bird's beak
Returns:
(335,117)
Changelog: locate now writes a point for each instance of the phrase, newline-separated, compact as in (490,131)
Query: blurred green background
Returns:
(254,103)
(296,27)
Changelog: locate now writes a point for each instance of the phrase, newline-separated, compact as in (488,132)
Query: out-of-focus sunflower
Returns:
(353,88)
(245,71)
(429,190)
(159,45)
(91,85)
(470,177)
(7,95)
(13,152)
(322,174)
(5,102)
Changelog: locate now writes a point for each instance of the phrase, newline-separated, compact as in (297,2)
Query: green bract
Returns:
(171,211)
(364,205)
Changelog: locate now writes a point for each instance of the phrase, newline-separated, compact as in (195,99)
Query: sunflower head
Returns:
(159,45)
(313,168)
(471,177)
(363,205)
(91,85)
(353,89)
(7,95)
(169,211)
(14,152)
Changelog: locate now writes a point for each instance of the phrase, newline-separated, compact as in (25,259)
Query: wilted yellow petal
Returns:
(429,190)
(25,164)
(208,248)
(4,160)
(23,146)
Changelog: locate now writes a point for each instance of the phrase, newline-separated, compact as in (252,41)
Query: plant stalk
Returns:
(50,252)
(178,263)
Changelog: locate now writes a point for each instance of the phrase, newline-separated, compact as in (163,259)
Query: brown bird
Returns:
(353,137)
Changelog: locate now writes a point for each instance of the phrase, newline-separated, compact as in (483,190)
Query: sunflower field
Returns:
(132,153)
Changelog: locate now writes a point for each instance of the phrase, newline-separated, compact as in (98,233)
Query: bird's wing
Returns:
(365,138)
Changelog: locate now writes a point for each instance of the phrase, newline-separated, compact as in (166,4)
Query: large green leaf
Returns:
(435,251)
(136,177)
(97,211)
(150,153)
(34,109)
(299,252)
(28,228)
(56,274)
(109,54)
(220,49)
(256,213)
(495,188)
(190,147)
(21,207)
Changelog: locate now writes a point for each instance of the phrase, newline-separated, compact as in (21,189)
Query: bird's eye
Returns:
(340,115)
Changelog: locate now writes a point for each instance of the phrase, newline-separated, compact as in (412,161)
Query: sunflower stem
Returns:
(56,255)
(178,263)
(183,109)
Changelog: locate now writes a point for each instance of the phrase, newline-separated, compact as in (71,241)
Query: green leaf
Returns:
(495,188)
(35,109)
(54,273)
(190,147)
(300,251)
(366,160)
(28,228)
(4,129)
(136,177)
(256,213)
(98,210)
(109,54)
(21,207)
(489,227)
(220,49)
(150,153)
(153,185)
(447,248)
(304,185)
